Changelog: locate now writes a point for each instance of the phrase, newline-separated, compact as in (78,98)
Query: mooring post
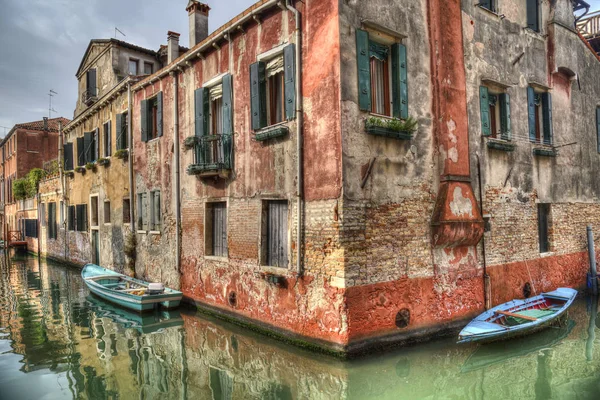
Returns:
(592,276)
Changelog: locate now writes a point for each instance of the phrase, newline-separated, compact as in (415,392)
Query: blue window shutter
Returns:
(201,97)
(399,81)
(531,112)
(505,127)
(364,70)
(289,64)
(227,104)
(258,95)
(547,117)
(144,120)
(159,114)
(484,104)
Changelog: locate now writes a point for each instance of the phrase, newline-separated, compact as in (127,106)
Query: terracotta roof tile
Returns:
(39,125)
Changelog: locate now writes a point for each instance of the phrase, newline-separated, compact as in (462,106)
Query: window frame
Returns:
(210,225)
(126,211)
(151,65)
(544,211)
(265,242)
(106,203)
(387,78)
(106,138)
(135,62)
(94,200)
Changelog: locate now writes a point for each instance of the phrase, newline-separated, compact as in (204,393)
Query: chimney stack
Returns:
(46,123)
(198,15)
(172,46)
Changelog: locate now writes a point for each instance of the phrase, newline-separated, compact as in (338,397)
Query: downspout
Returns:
(299,130)
(175,77)
(61,165)
(130,161)
(487,287)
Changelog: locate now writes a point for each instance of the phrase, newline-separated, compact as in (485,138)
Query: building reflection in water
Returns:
(51,326)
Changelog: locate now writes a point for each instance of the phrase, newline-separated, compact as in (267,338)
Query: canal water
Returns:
(57,341)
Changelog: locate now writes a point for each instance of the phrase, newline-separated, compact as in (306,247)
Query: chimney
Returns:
(198,14)
(46,123)
(172,46)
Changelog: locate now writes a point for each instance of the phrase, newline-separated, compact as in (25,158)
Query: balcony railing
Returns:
(213,155)
(589,26)
(89,97)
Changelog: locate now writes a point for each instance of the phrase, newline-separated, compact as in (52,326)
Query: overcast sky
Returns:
(42,42)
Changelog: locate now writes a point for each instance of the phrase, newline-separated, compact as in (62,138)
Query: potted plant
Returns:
(80,169)
(122,154)
(104,161)
(190,142)
(91,166)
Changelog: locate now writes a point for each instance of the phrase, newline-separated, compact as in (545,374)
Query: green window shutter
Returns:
(156,211)
(399,81)
(532,15)
(159,114)
(145,211)
(531,112)
(484,104)
(68,156)
(201,97)
(227,104)
(108,144)
(80,152)
(289,65)
(87,147)
(505,128)
(96,147)
(258,95)
(145,120)
(119,131)
(364,70)
(598,126)
(547,117)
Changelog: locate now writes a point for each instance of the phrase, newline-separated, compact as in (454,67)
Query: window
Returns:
(90,146)
(52,231)
(68,156)
(544,227)
(142,211)
(273,89)
(155,216)
(122,134)
(216,110)
(91,85)
(382,74)
(216,229)
(152,120)
(94,210)
(31,228)
(148,68)
(488,4)
(539,106)
(533,15)
(126,211)
(107,141)
(495,113)
(81,217)
(71,225)
(133,66)
(107,212)
(274,243)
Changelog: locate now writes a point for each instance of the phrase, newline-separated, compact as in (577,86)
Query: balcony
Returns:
(213,156)
(89,97)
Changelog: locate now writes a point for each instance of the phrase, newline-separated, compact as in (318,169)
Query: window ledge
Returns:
(547,254)
(273,270)
(142,232)
(217,258)
(488,11)
(534,34)
(107,224)
(154,232)
(271,133)
(95,228)
(545,152)
(502,145)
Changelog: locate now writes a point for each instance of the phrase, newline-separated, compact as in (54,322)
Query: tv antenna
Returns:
(51,110)
(118,30)
(6,128)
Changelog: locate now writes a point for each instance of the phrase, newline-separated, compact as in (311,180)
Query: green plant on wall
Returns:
(27,187)
(130,250)
(397,125)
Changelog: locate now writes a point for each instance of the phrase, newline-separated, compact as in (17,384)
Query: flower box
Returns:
(104,162)
(280,131)
(122,154)
(501,145)
(81,170)
(545,152)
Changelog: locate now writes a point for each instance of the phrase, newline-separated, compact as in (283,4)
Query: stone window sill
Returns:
(547,254)
(142,232)
(271,132)
(499,144)
(545,151)
(273,270)
(154,233)
(534,34)
(217,258)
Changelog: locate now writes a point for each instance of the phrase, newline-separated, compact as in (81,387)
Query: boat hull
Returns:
(168,300)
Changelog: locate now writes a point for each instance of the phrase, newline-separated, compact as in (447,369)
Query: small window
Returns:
(122,131)
(142,211)
(380,78)
(216,229)
(107,139)
(90,79)
(495,113)
(52,231)
(152,118)
(71,225)
(216,110)
(31,228)
(94,211)
(126,211)
(275,92)
(274,243)
(533,15)
(155,216)
(81,221)
(540,116)
(133,67)
(148,68)
(107,212)
(488,4)
(544,227)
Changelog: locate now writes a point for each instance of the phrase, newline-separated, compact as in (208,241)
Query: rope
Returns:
(530,280)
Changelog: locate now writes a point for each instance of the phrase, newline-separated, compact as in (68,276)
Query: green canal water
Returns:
(57,341)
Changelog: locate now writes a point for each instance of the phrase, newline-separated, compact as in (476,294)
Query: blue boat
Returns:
(518,317)
(131,293)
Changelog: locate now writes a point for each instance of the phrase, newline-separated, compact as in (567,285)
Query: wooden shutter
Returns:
(145,120)
(277,234)
(505,127)
(159,114)
(532,15)
(68,156)
(71,218)
(484,105)
(107,139)
(227,102)
(364,70)
(399,81)
(119,133)
(258,95)
(547,117)
(87,147)
(96,147)
(598,126)
(531,112)
(91,82)
(201,97)
(80,152)
(289,74)
(156,217)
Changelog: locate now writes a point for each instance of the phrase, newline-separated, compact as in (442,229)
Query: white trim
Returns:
(214,81)
(274,52)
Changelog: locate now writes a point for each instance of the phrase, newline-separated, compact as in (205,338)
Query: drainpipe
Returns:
(130,160)
(175,77)
(61,165)
(299,128)
(592,276)
(487,288)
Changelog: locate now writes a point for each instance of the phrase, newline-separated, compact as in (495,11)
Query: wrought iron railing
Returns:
(214,152)
(89,96)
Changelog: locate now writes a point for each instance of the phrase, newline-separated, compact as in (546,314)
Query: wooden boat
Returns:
(518,317)
(127,292)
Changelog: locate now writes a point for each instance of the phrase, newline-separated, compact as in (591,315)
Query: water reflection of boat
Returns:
(499,352)
(144,323)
